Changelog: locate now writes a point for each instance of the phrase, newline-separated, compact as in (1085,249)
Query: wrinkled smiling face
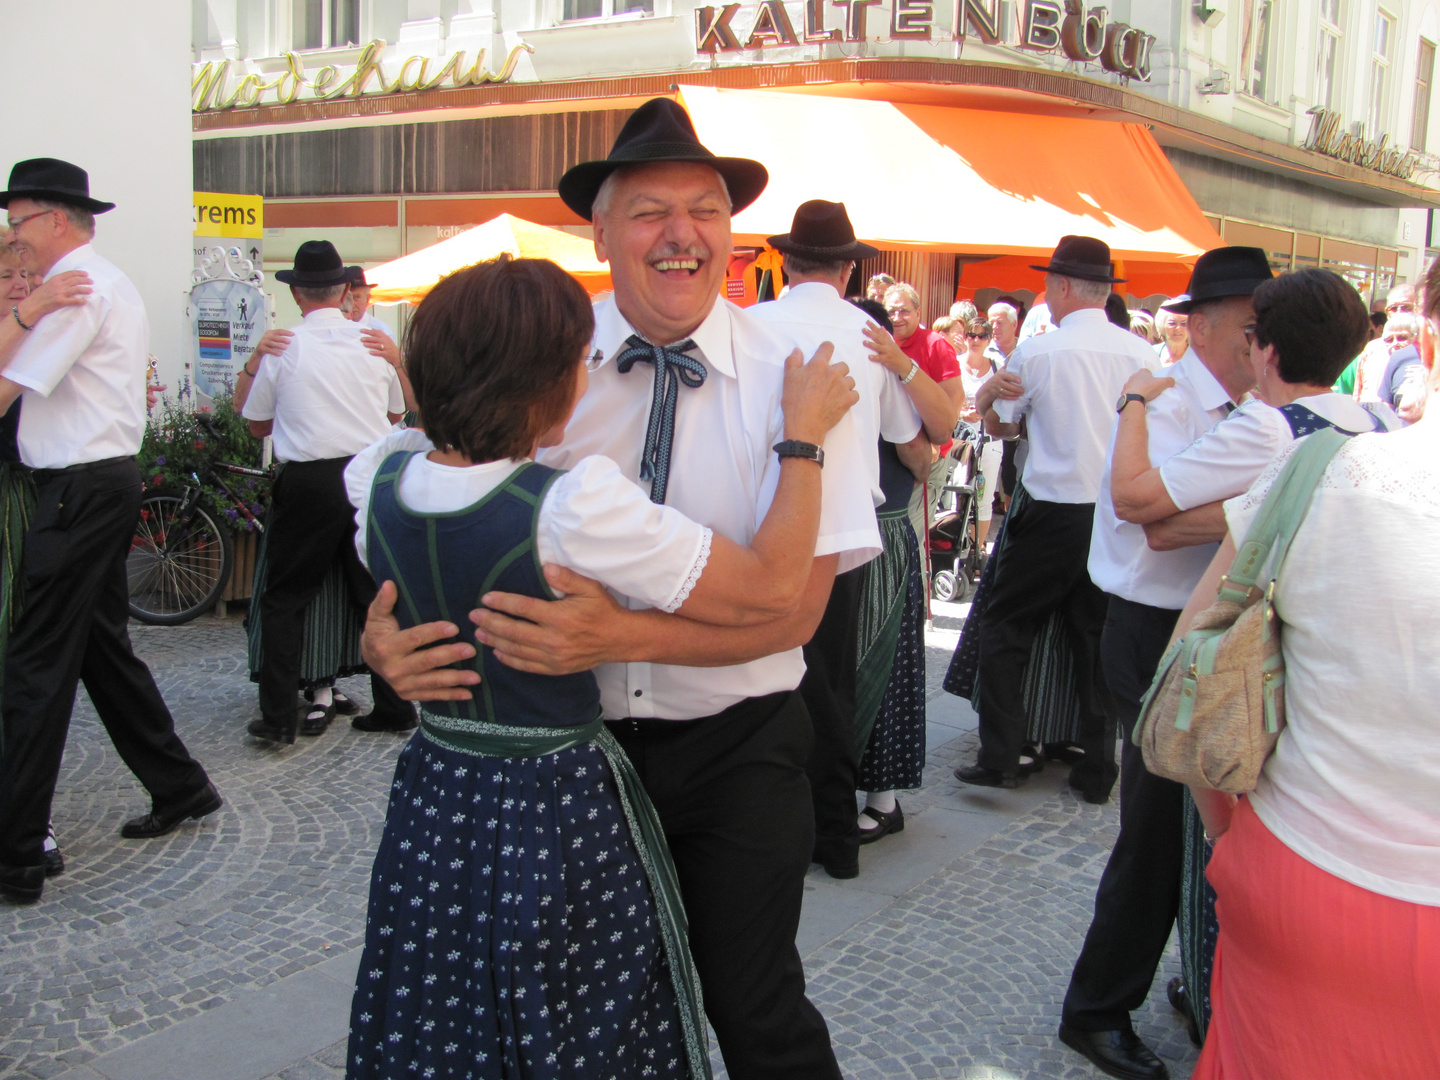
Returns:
(666,234)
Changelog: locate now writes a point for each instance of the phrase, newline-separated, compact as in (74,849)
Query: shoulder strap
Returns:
(382,490)
(1281,513)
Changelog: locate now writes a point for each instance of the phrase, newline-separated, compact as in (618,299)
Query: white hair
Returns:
(1087,292)
(601,203)
(905,290)
(1006,306)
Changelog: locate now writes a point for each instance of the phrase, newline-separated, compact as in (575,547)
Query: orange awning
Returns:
(407,279)
(957,180)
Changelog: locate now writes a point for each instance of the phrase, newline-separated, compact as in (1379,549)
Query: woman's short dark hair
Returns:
(491,354)
(978,327)
(1316,321)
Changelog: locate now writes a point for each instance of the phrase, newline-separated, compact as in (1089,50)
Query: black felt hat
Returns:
(660,130)
(49,179)
(1081,257)
(1224,272)
(822,231)
(317,266)
(356,276)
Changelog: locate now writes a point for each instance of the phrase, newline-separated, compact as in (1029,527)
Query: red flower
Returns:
(199,444)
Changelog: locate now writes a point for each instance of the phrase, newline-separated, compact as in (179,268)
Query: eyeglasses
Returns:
(1396,339)
(1404,307)
(893,311)
(978,337)
(594,360)
(1249,332)
(14,223)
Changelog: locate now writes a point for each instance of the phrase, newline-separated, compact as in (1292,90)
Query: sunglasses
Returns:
(978,337)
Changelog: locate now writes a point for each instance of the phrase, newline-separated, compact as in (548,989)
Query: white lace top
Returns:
(592,520)
(1354,783)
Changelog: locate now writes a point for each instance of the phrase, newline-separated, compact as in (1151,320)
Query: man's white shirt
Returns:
(1072,378)
(812,313)
(1121,561)
(369,321)
(83,370)
(327,393)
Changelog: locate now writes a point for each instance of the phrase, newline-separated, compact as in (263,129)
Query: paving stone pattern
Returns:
(961,976)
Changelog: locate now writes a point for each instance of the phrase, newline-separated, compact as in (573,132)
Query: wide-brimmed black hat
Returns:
(821,230)
(356,276)
(1222,273)
(317,266)
(1081,257)
(660,130)
(49,179)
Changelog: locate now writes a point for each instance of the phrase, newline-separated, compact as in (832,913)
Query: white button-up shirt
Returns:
(83,370)
(1072,377)
(1121,561)
(723,474)
(1225,462)
(327,393)
(812,313)
(369,321)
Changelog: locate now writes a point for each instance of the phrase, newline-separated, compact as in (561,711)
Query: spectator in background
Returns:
(976,366)
(1004,318)
(878,286)
(1116,311)
(1174,332)
(1377,324)
(1380,371)
(1142,325)
(963,311)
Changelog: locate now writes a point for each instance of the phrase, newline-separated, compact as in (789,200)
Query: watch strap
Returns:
(1127,399)
(910,375)
(797,449)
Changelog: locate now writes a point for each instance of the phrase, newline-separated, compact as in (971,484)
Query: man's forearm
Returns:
(1199,525)
(1138,493)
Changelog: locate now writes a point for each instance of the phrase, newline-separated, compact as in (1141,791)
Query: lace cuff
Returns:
(696,569)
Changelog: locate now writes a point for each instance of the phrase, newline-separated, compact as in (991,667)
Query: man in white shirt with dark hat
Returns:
(324,398)
(1064,384)
(1135,906)
(685,399)
(82,373)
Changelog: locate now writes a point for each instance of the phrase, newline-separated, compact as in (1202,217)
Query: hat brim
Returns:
(744,179)
(306,280)
(854,250)
(1077,270)
(69,198)
(1220,290)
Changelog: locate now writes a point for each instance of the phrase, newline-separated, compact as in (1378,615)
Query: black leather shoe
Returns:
(885,824)
(983,777)
(1116,1053)
(1180,1001)
(369,722)
(343,705)
(839,868)
(22,884)
(161,821)
(1088,791)
(263,730)
(316,719)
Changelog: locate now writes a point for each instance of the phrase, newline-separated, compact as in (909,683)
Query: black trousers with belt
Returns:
(1042,568)
(732,796)
(73,629)
(1139,893)
(828,688)
(311,527)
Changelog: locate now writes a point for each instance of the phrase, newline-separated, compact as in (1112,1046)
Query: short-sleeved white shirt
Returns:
(327,393)
(1225,461)
(592,519)
(1121,561)
(812,313)
(723,474)
(1354,783)
(369,321)
(83,370)
(1071,377)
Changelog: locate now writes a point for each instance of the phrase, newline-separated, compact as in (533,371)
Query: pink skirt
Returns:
(1315,977)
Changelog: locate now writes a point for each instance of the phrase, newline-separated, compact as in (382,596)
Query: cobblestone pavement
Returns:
(960,976)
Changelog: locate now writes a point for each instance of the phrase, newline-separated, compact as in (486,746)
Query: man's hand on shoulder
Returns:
(552,637)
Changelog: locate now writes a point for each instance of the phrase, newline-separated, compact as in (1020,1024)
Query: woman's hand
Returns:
(272,343)
(816,394)
(884,351)
(70,289)
(382,345)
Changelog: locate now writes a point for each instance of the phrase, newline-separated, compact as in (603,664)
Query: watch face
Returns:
(1120,402)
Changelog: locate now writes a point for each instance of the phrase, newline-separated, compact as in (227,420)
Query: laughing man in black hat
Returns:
(324,398)
(1063,384)
(82,372)
(684,399)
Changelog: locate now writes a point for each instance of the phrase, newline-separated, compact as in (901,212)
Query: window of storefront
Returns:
(1327,54)
(325,24)
(1424,76)
(599,9)
(1369,268)
(1255,49)
(1381,52)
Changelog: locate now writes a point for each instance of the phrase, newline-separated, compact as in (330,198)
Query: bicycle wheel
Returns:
(177,570)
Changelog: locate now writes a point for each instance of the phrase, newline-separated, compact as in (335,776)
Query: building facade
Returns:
(1302,126)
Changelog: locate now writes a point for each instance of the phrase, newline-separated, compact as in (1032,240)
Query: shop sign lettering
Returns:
(1325,137)
(210,83)
(1069,27)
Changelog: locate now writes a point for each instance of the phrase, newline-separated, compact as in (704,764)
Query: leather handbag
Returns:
(1217,704)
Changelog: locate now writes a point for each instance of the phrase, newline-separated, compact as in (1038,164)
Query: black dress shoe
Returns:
(1091,793)
(1180,1001)
(841,869)
(262,729)
(163,820)
(370,722)
(22,884)
(885,824)
(343,705)
(983,777)
(1116,1053)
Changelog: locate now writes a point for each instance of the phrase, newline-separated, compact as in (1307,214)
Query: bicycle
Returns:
(181,556)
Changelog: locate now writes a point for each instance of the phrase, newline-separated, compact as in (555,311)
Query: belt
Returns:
(43,475)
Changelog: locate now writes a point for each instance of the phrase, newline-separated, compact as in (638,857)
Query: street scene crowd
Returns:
(647,578)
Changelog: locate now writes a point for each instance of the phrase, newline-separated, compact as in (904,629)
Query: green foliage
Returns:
(176,445)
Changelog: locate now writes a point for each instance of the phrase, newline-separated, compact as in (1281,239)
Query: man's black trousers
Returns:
(74,628)
(1042,568)
(732,796)
(1139,893)
(311,527)
(828,688)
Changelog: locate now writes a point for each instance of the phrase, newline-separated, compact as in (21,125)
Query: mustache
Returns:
(677,251)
